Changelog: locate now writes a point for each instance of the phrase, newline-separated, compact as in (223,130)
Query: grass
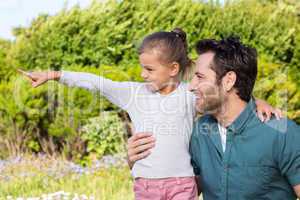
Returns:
(104,185)
(34,179)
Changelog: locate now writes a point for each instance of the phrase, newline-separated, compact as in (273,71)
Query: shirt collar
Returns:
(241,121)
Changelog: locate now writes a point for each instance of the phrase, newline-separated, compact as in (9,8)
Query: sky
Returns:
(14,13)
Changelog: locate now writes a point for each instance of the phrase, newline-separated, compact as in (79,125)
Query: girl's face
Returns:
(158,76)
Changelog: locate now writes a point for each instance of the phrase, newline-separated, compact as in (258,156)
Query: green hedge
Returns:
(50,118)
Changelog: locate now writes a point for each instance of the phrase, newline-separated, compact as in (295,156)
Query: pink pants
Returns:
(184,188)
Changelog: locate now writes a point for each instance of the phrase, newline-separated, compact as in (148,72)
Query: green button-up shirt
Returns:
(261,160)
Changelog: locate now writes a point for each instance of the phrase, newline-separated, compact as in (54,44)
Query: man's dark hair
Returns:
(231,55)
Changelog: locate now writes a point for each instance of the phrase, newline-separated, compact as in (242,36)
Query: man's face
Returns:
(209,94)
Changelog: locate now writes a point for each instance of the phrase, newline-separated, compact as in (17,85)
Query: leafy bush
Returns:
(5,70)
(104,134)
(49,118)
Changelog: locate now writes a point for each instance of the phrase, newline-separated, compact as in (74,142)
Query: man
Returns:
(234,154)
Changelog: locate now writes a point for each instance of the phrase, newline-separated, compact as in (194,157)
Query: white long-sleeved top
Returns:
(169,117)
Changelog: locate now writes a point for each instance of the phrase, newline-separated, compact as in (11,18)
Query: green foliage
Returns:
(104,134)
(49,118)
(4,64)
(22,109)
(108,33)
(284,94)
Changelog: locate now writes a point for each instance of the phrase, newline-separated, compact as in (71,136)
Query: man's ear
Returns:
(175,68)
(229,80)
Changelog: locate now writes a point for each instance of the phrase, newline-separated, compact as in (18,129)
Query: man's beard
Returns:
(210,104)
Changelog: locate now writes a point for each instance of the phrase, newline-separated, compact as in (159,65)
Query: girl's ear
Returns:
(175,68)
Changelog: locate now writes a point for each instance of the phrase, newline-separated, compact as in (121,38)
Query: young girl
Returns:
(162,105)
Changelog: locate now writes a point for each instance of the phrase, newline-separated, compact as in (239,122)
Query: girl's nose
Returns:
(144,74)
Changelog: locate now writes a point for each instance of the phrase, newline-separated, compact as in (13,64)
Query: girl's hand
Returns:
(39,78)
(265,111)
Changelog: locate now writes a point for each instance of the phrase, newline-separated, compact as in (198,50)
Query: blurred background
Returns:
(69,143)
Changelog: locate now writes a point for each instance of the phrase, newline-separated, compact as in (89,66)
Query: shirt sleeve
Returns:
(119,93)
(193,148)
(196,168)
(289,155)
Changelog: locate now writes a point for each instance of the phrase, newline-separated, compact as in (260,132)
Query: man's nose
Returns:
(191,85)
(190,88)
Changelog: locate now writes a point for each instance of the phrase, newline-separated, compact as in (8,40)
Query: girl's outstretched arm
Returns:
(119,93)
(39,78)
